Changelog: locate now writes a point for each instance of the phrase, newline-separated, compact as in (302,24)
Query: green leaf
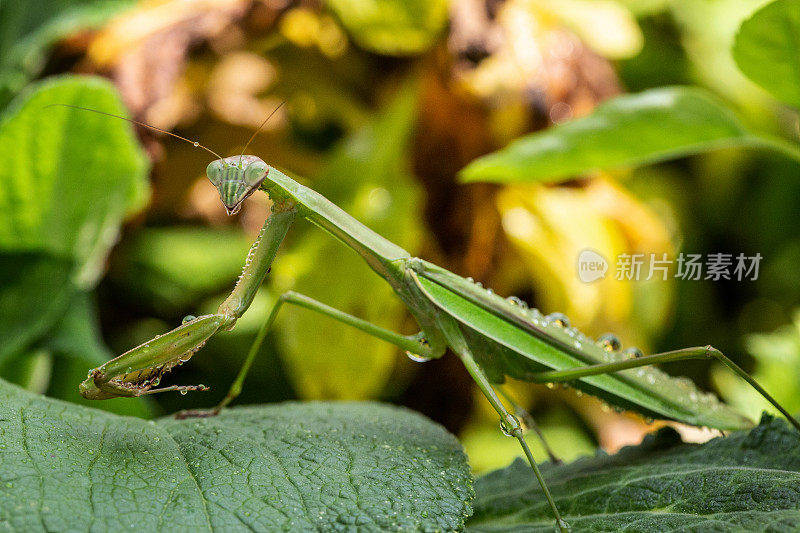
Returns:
(745,482)
(288,467)
(28,29)
(35,290)
(392,27)
(70,176)
(630,130)
(767,48)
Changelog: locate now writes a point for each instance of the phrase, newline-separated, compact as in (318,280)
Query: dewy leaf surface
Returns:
(630,130)
(292,467)
(749,481)
(767,48)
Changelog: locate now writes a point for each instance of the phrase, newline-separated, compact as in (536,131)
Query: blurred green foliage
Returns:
(28,29)
(66,188)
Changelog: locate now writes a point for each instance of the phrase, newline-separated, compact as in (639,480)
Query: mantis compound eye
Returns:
(254,173)
(214,171)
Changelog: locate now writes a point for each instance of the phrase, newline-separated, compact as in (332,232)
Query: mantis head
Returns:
(236,178)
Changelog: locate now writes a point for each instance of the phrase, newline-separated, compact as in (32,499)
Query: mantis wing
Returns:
(511,340)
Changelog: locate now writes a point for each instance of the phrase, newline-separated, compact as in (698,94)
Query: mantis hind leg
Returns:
(508,422)
(529,423)
(700,352)
(417,344)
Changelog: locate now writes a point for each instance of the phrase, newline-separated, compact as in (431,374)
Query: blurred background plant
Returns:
(386,101)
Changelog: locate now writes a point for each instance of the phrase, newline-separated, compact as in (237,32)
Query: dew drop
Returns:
(183,392)
(559,319)
(417,358)
(187,319)
(633,352)
(471,280)
(156,381)
(514,300)
(196,144)
(506,428)
(550,386)
(609,342)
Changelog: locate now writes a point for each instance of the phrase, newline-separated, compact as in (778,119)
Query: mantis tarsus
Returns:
(493,336)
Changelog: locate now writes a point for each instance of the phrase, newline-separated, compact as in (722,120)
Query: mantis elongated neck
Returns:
(376,250)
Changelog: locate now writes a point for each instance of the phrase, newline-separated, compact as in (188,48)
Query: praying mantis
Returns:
(494,337)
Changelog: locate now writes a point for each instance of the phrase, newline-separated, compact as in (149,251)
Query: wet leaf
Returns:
(284,467)
(743,482)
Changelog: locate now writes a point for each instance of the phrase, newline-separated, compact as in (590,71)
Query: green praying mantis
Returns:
(495,337)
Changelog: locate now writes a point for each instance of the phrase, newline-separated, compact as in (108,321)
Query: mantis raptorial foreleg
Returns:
(137,371)
(698,352)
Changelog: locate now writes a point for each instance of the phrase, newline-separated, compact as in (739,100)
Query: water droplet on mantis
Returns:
(417,358)
(559,319)
(514,300)
(633,352)
(609,342)
(196,144)
(188,318)
(184,392)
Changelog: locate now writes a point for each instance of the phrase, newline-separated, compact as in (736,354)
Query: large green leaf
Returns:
(291,467)
(767,48)
(392,27)
(69,176)
(629,130)
(35,290)
(745,482)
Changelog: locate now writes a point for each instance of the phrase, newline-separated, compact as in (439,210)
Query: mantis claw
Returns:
(183,389)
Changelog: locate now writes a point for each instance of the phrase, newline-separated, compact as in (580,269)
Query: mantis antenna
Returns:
(195,143)
(253,136)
